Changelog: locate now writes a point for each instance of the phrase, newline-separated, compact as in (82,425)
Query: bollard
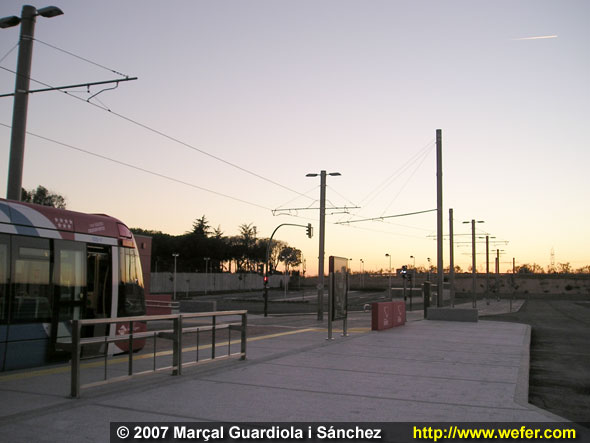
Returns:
(426,294)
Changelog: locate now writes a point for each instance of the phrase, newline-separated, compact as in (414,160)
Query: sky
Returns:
(236,101)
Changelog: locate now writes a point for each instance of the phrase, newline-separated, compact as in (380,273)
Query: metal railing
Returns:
(175,334)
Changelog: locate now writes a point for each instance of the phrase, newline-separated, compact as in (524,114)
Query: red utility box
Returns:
(385,315)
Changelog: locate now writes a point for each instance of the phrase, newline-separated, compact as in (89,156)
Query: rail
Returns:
(175,334)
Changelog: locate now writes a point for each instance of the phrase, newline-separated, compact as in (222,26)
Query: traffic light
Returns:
(265,280)
(404,271)
(309,230)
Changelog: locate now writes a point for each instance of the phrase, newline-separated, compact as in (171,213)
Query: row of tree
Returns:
(204,249)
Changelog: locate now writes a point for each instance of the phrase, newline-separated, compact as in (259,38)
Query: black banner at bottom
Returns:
(345,432)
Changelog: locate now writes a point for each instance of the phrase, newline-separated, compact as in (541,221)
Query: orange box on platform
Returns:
(385,315)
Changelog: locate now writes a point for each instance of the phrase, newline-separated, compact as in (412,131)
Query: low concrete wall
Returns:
(163,282)
(519,284)
(198,306)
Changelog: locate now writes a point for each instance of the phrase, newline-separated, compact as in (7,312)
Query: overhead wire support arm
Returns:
(80,85)
(384,217)
(278,211)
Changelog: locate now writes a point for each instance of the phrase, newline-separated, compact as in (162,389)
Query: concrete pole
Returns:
(322,245)
(473,268)
(513,265)
(439,218)
(488,269)
(498,275)
(451,259)
(21,103)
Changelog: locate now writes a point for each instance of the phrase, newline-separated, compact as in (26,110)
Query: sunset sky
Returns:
(236,101)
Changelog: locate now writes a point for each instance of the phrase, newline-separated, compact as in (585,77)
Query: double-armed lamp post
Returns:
(21,92)
(322,236)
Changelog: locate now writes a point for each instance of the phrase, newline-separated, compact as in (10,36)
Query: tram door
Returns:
(82,290)
(69,288)
(98,292)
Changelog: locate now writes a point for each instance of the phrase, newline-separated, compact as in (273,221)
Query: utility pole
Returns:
(439,218)
(21,93)
(473,265)
(21,103)
(487,269)
(451,259)
(322,236)
(473,269)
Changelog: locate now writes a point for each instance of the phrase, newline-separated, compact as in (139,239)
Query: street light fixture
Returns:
(21,91)
(389,279)
(322,236)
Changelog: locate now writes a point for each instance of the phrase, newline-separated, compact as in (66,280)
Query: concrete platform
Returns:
(425,371)
(453,314)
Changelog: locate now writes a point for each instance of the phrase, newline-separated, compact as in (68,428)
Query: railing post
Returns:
(244,337)
(213,338)
(75,376)
(177,346)
(130,348)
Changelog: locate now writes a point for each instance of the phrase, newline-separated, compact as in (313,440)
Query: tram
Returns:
(56,266)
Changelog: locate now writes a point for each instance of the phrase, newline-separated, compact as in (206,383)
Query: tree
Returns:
(42,196)
(530,269)
(564,268)
(201,227)
(291,257)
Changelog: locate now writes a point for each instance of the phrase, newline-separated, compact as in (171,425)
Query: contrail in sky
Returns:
(536,38)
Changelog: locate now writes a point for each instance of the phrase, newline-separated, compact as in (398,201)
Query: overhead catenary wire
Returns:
(169,137)
(397,173)
(139,168)
(80,57)
(9,52)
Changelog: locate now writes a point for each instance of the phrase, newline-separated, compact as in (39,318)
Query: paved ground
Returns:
(425,371)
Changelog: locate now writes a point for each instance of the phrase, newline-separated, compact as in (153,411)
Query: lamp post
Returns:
(206,275)
(361,277)
(175,255)
(473,264)
(389,279)
(413,271)
(21,92)
(322,175)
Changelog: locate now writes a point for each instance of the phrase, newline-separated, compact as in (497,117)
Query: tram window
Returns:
(3,277)
(131,295)
(31,294)
(99,281)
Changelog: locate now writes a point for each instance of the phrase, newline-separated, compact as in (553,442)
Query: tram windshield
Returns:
(131,293)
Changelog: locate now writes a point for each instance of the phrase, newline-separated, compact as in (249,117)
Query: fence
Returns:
(175,334)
